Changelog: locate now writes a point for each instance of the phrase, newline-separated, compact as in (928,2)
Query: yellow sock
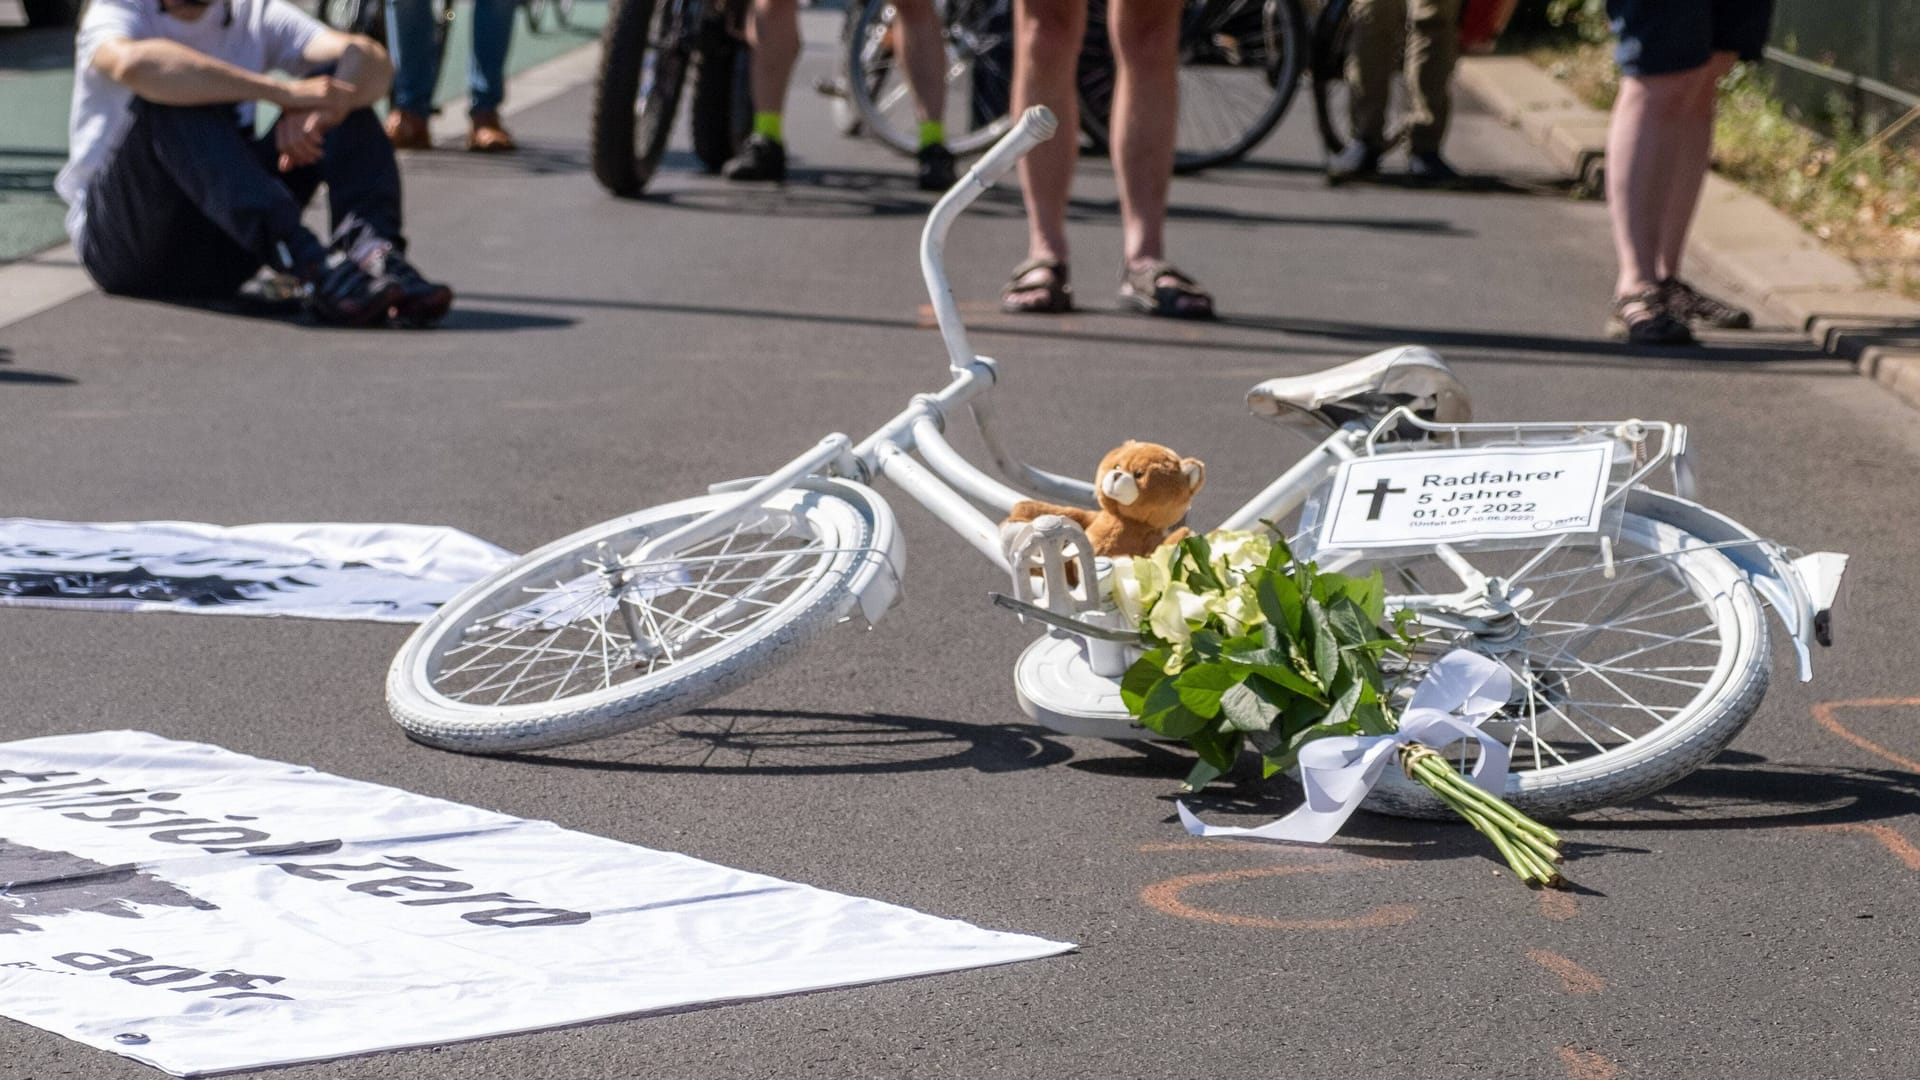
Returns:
(767,124)
(932,133)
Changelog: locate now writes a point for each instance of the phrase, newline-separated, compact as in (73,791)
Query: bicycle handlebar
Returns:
(1035,126)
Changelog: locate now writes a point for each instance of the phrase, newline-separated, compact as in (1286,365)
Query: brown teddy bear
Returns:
(1144,491)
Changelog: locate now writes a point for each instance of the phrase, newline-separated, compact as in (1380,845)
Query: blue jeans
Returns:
(416,66)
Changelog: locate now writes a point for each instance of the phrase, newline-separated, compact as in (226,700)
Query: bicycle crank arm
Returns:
(1053,618)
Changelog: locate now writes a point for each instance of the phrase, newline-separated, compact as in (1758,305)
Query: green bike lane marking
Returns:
(33,122)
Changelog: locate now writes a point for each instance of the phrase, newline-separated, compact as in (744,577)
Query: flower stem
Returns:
(1530,849)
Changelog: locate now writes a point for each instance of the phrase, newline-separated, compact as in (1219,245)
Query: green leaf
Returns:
(1200,573)
(1280,602)
(1204,772)
(1372,718)
(1346,692)
(1369,594)
(1326,647)
(1140,678)
(1350,624)
(1277,666)
(1216,747)
(1244,710)
(1163,712)
(1200,686)
(1207,644)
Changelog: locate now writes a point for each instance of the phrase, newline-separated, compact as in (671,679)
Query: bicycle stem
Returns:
(1036,126)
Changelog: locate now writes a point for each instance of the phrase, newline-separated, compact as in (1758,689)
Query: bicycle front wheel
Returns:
(1240,63)
(645,50)
(1625,678)
(977,40)
(576,641)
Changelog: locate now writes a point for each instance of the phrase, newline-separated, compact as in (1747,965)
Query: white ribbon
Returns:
(1460,692)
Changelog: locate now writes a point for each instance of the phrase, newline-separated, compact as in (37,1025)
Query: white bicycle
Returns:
(1635,656)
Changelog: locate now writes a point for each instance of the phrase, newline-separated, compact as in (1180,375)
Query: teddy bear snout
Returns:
(1120,486)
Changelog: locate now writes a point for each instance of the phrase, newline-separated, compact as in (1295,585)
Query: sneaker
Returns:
(341,292)
(936,167)
(760,159)
(486,135)
(408,131)
(420,302)
(1428,167)
(1697,307)
(1356,160)
(1643,318)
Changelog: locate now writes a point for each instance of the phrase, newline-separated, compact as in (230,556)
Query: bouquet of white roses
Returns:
(1248,647)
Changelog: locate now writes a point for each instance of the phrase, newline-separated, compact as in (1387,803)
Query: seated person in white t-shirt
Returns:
(171,194)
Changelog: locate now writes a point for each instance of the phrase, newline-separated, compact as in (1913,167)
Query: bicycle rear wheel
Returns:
(721,113)
(1622,683)
(978,39)
(575,641)
(1240,63)
(645,51)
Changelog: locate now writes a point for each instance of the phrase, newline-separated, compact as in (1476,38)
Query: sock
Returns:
(767,124)
(932,133)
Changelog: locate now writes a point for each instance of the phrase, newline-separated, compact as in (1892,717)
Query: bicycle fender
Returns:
(875,584)
(1800,591)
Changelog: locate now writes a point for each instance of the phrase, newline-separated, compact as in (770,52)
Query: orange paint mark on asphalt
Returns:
(1823,714)
(1166,897)
(1902,848)
(1576,979)
(1587,1065)
(1558,904)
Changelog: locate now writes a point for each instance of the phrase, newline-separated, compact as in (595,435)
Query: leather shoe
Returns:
(408,131)
(487,136)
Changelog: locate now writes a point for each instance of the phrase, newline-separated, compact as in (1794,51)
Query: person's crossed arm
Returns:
(169,73)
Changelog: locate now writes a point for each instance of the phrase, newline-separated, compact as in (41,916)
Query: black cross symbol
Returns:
(1380,492)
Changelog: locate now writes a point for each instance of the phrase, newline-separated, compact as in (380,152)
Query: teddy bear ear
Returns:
(1195,471)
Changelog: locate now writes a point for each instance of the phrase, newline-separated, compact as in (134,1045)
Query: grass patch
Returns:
(1860,196)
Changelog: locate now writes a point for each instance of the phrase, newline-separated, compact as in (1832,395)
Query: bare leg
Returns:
(1692,155)
(773,28)
(923,56)
(1046,47)
(1146,109)
(1643,152)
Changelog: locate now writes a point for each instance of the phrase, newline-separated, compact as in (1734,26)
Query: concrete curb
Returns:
(1736,235)
(47,279)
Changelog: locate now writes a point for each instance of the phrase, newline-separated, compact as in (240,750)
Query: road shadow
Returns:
(776,742)
(44,48)
(29,169)
(1721,353)
(29,378)
(294,313)
(1062,328)
(531,159)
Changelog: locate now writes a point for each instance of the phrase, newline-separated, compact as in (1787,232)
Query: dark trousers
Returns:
(191,205)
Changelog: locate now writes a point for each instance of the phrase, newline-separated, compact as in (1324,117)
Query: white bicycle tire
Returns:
(843,522)
(886,121)
(1677,746)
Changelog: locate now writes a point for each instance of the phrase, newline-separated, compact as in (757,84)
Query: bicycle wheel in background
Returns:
(1625,677)
(978,39)
(356,16)
(721,112)
(1240,62)
(574,642)
(644,54)
(1332,36)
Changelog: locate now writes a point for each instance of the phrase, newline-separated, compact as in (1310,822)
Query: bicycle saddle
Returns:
(1368,389)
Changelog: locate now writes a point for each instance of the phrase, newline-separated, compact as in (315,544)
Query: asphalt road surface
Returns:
(1755,920)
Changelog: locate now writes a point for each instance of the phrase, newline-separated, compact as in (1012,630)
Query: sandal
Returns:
(1644,318)
(1048,278)
(1156,288)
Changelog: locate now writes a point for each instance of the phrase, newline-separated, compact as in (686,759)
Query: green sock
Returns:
(767,124)
(932,133)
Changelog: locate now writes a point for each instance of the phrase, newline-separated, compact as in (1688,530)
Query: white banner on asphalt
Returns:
(386,573)
(203,911)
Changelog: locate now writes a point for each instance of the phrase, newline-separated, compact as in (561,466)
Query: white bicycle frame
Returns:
(957,492)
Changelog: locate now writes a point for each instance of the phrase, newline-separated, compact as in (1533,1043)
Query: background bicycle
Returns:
(1240,63)
(649,50)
